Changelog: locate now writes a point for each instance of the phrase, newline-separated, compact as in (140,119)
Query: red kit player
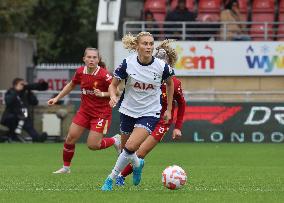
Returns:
(168,54)
(94,113)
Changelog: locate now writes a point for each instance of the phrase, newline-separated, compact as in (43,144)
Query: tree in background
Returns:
(14,14)
(62,28)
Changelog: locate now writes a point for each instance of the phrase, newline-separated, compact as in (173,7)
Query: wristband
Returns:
(103,94)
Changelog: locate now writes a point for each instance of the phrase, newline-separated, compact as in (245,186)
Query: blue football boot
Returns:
(120,181)
(107,185)
(137,172)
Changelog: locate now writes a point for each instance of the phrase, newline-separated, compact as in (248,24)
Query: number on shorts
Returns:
(100,123)
(161,130)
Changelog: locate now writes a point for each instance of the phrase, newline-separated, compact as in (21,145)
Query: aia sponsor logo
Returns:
(216,115)
(143,86)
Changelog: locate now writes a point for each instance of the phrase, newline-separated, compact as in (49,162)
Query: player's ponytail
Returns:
(130,41)
(171,52)
(102,64)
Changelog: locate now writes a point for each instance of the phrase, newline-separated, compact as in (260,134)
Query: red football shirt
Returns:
(90,103)
(177,97)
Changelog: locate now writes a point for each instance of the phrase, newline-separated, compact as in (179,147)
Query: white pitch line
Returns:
(147,189)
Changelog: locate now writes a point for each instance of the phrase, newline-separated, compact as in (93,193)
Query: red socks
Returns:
(107,142)
(127,170)
(68,152)
(69,149)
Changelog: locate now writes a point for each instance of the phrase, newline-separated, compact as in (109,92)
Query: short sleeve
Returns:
(77,77)
(120,72)
(168,72)
(108,78)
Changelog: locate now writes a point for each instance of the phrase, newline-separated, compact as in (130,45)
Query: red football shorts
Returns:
(160,130)
(93,123)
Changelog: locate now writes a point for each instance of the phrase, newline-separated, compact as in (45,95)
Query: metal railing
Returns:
(57,66)
(43,96)
(203,31)
(206,95)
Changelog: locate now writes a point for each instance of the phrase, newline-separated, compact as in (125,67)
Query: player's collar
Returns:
(146,64)
(85,71)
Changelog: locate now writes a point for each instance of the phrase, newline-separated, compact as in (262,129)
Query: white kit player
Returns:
(140,103)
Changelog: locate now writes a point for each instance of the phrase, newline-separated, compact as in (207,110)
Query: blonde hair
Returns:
(101,63)
(171,52)
(130,41)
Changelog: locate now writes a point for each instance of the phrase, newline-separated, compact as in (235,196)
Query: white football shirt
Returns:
(142,93)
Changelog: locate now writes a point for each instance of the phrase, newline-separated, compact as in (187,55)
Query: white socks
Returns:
(134,160)
(122,161)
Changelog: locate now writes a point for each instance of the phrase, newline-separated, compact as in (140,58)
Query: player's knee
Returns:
(70,139)
(129,151)
(141,154)
(131,148)
(94,146)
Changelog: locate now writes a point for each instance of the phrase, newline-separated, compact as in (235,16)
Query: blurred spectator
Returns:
(150,25)
(232,16)
(17,114)
(207,29)
(4,134)
(180,13)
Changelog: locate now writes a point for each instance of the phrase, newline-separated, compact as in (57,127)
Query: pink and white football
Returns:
(174,177)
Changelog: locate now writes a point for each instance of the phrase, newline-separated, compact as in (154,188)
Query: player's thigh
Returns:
(136,138)
(147,146)
(75,132)
(94,140)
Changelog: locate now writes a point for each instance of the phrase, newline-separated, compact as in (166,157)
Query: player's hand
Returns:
(176,134)
(113,101)
(167,116)
(98,93)
(52,101)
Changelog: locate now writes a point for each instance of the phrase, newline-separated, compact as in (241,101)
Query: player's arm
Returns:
(98,93)
(66,90)
(179,97)
(167,77)
(112,90)
(119,74)
(108,80)
(170,92)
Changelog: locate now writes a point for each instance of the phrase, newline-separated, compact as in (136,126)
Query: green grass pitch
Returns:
(216,173)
